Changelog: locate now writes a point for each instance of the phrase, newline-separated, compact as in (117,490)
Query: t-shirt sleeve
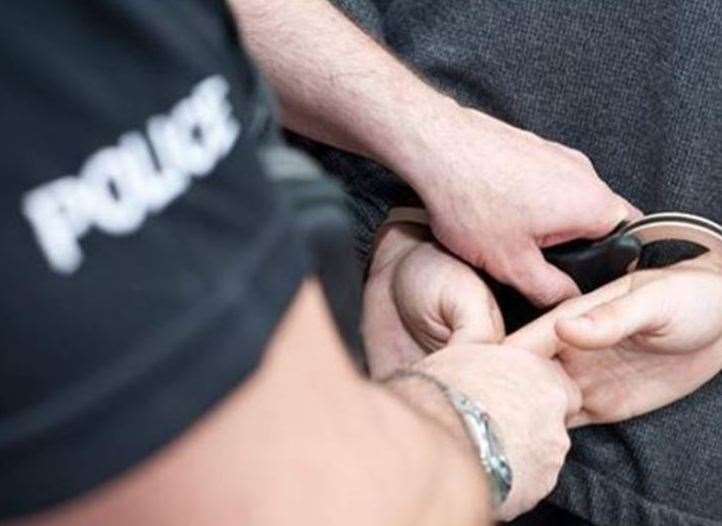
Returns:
(146,255)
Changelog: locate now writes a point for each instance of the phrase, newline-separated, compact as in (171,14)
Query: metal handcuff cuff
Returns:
(590,264)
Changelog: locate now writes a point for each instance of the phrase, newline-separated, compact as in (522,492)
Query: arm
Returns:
(305,441)
(334,82)
(338,86)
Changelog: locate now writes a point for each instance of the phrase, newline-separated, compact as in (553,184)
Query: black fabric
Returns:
(637,86)
(322,218)
(127,314)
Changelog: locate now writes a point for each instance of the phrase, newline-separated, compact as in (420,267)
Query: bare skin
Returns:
(631,347)
(638,344)
(419,298)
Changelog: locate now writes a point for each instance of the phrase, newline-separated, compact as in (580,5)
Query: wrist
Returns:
(413,135)
(469,421)
(457,471)
(431,402)
(428,134)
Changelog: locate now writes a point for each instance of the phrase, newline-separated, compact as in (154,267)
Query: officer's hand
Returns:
(529,398)
(497,194)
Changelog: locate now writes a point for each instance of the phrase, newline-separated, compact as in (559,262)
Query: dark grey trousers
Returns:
(637,86)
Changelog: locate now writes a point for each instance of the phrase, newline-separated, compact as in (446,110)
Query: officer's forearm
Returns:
(335,83)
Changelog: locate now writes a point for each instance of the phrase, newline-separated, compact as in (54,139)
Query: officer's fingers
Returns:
(601,222)
(633,213)
(539,281)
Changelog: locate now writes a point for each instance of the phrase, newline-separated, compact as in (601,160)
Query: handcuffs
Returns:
(593,263)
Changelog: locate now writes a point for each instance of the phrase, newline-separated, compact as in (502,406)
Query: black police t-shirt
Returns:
(145,255)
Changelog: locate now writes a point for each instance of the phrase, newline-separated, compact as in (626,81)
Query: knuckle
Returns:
(504,268)
(557,456)
(551,395)
(555,460)
(610,311)
(556,395)
(546,295)
(601,205)
(561,399)
(520,273)
(564,445)
(524,268)
(550,481)
(582,158)
(579,160)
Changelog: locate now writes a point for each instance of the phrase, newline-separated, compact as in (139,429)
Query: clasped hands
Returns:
(633,346)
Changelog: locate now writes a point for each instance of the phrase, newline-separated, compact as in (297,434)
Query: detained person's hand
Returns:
(639,343)
(419,298)
(528,397)
(497,194)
